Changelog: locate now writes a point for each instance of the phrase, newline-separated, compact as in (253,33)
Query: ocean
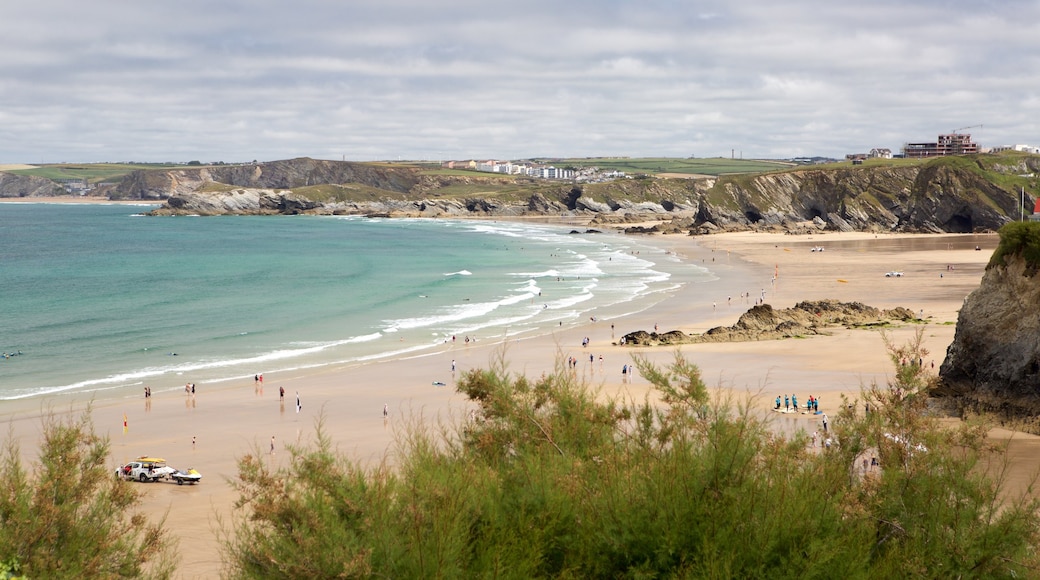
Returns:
(101,299)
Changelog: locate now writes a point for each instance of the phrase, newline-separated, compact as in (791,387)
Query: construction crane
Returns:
(955,131)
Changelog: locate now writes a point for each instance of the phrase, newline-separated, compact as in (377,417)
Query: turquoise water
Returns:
(100,298)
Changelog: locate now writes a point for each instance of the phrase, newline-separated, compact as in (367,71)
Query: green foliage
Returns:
(10,569)
(548,479)
(1018,239)
(931,510)
(68,517)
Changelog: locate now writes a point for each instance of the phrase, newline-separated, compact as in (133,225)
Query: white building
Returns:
(1022,148)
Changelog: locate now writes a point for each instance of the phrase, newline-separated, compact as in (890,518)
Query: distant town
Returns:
(536,170)
(954,143)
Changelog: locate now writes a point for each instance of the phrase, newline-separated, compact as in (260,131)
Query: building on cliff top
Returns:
(1036,212)
(950,144)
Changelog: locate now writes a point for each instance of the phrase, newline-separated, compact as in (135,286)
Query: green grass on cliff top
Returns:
(1018,238)
(92,172)
(690,166)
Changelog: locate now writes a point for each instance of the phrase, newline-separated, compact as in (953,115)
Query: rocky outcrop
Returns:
(993,364)
(238,202)
(12,185)
(762,322)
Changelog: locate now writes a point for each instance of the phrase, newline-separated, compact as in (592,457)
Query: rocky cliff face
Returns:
(288,174)
(12,185)
(926,198)
(993,364)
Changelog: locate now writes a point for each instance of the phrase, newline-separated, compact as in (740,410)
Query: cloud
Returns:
(109,81)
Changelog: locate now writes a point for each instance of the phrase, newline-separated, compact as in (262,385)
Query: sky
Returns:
(362,80)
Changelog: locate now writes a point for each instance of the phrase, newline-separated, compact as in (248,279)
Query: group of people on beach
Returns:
(812,405)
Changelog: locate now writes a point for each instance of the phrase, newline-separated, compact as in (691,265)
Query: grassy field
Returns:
(92,172)
(654,165)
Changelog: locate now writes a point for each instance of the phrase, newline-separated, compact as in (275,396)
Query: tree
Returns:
(66,516)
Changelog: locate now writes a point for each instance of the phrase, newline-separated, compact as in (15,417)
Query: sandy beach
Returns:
(229,421)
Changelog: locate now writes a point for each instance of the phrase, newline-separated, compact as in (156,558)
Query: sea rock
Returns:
(237,202)
(763,322)
(993,363)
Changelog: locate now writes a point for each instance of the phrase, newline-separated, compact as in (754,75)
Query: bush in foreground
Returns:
(66,516)
(548,480)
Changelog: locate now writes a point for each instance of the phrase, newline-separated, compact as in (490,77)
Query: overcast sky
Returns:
(222,80)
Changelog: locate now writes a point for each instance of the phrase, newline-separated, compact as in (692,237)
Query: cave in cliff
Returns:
(959,224)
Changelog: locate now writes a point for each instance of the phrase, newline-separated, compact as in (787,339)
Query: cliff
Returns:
(937,196)
(993,363)
(12,185)
(288,174)
(965,194)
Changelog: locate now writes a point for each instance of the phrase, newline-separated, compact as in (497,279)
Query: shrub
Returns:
(68,517)
(548,479)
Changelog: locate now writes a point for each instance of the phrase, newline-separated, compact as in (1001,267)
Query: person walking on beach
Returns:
(272,444)
(825,423)
(193,443)
(453,365)
(281,393)
(298,405)
(787,403)
(386,411)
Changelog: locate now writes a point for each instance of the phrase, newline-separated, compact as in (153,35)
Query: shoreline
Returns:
(239,418)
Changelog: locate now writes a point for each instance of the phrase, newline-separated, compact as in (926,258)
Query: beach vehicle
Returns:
(893,274)
(190,476)
(144,469)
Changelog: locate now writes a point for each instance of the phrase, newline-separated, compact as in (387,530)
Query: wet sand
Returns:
(232,420)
